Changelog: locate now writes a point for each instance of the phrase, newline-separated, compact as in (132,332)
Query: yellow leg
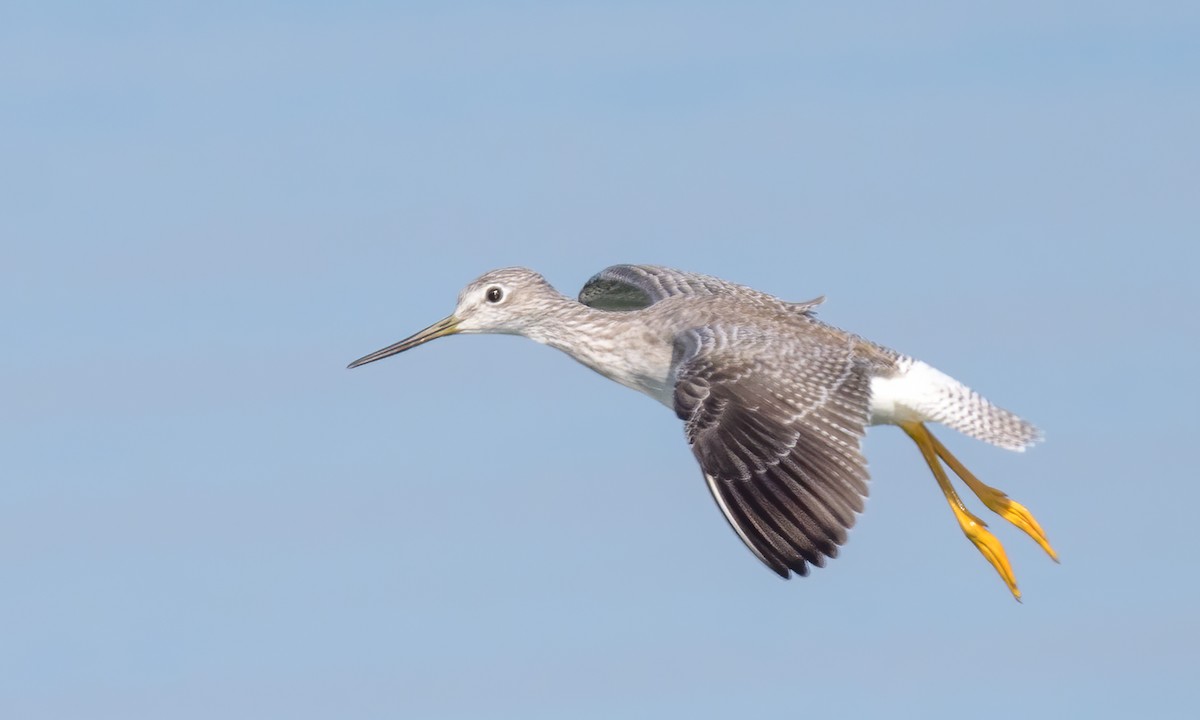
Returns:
(972,527)
(995,500)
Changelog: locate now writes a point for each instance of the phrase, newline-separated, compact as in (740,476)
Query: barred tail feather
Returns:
(922,393)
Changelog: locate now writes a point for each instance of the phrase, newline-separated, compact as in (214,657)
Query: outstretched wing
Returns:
(777,429)
(633,287)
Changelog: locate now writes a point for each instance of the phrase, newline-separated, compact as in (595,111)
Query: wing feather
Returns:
(633,287)
(777,431)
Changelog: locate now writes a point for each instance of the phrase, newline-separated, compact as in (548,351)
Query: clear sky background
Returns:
(209,208)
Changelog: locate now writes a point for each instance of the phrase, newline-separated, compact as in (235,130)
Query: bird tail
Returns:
(945,400)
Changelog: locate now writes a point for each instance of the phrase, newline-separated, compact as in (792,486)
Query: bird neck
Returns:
(618,345)
(563,324)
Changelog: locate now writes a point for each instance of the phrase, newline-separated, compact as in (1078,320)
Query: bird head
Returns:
(505,301)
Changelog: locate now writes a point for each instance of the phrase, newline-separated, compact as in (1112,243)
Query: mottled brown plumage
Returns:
(774,402)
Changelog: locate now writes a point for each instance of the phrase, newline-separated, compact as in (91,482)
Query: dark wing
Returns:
(777,429)
(633,287)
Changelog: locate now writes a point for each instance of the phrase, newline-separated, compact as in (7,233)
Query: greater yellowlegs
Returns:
(774,401)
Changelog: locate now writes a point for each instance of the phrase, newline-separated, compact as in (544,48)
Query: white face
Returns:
(500,301)
(482,308)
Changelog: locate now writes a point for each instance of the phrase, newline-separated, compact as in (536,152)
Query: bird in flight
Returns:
(774,402)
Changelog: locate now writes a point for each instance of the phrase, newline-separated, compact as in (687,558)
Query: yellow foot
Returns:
(997,501)
(972,527)
(989,545)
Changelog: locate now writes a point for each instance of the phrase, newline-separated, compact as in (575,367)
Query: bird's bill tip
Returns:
(447,326)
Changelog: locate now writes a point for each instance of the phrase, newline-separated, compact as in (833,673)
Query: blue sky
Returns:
(210,209)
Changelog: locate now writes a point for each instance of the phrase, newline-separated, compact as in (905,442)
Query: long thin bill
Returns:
(436,330)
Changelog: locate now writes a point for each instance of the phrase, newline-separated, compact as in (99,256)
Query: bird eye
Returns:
(495,295)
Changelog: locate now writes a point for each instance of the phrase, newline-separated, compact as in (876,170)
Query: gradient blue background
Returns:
(209,208)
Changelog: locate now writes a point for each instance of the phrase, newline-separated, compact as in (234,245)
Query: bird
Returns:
(775,402)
